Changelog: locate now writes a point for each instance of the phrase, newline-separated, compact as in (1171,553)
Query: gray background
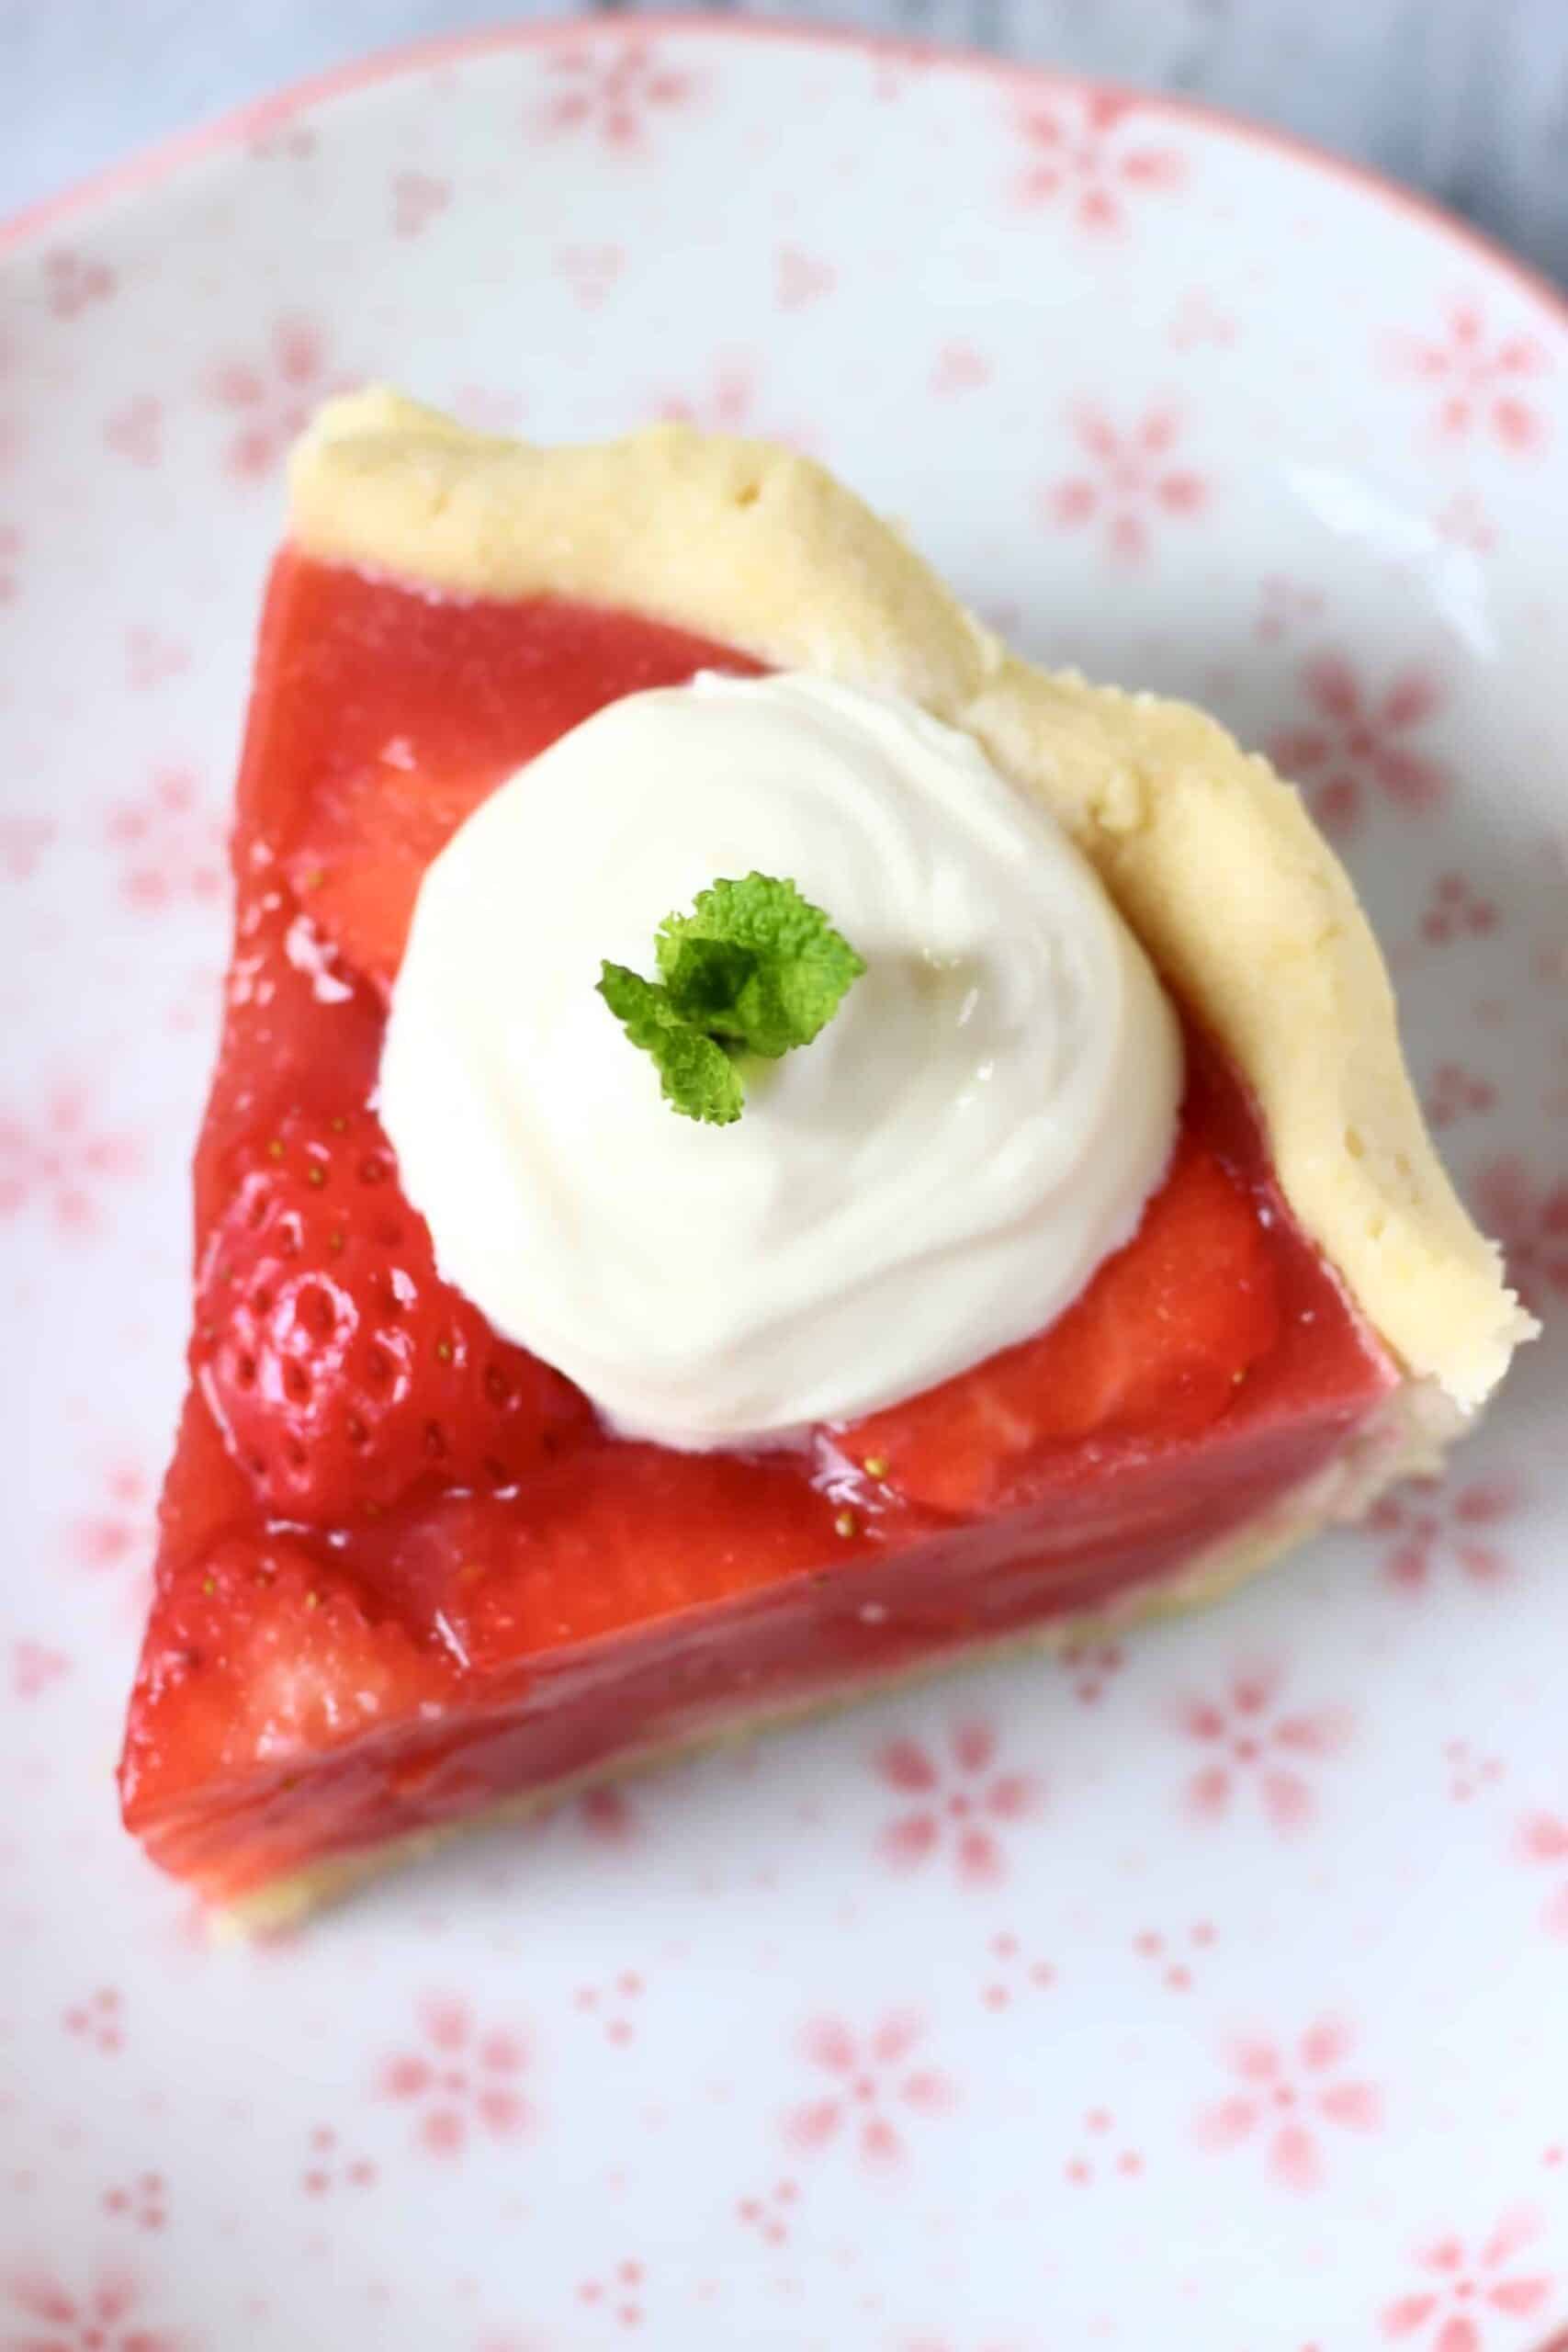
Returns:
(1465,98)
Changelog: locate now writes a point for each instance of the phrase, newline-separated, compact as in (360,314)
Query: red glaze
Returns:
(332,1661)
(338,1365)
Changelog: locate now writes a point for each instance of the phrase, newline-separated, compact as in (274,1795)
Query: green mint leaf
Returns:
(755,969)
(757,963)
(696,1076)
(705,978)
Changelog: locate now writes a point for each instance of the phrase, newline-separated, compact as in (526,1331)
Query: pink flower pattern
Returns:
(1093,1666)
(1284,607)
(72,283)
(1132,480)
(98,2021)
(614,92)
(608,2004)
(23,841)
(875,2088)
(152,659)
(726,407)
(35,1669)
(135,431)
(1479,380)
(1175,1974)
(1456,909)
(729,403)
(1464,522)
(1470,1768)
(1357,740)
(1530,1220)
(1458,1093)
(1250,1743)
(1286,2098)
(1078,155)
(767,2215)
(800,278)
(1460,2286)
(120,1528)
(618,2293)
(461,2081)
(329,2168)
(418,199)
(1199,321)
(1543,1838)
(592,272)
(102,2317)
(276,132)
(1092,2165)
(961,1809)
(143,2201)
(271,399)
(1017,1972)
(61,1160)
(959,367)
(169,847)
(1426,1522)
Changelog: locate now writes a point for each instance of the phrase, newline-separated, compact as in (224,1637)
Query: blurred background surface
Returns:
(1467,99)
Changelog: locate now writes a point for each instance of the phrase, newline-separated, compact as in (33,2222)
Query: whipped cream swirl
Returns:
(935,1177)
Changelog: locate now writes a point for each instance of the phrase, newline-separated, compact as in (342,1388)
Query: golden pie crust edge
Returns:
(1211,856)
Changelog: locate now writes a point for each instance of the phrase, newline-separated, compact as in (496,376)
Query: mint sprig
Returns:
(696,1073)
(754,968)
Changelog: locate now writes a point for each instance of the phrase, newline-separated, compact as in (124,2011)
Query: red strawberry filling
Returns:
(340,1369)
(403,1571)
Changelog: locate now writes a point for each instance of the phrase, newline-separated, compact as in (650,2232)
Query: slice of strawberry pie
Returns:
(759,1144)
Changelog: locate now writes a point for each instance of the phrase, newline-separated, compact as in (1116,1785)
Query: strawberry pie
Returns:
(760,1146)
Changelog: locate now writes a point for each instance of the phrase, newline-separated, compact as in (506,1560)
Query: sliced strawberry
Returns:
(1157,1346)
(399,712)
(262,1652)
(338,1365)
(621,1538)
(359,870)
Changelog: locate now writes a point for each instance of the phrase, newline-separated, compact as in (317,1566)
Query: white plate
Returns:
(1208,1994)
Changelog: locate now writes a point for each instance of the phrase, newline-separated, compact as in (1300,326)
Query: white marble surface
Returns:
(1465,98)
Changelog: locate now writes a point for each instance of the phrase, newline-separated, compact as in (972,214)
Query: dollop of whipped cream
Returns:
(936,1176)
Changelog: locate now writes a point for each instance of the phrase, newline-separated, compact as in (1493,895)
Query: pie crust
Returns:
(760,549)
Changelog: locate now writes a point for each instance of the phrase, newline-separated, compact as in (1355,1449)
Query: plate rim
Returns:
(187,2291)
(148,168)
